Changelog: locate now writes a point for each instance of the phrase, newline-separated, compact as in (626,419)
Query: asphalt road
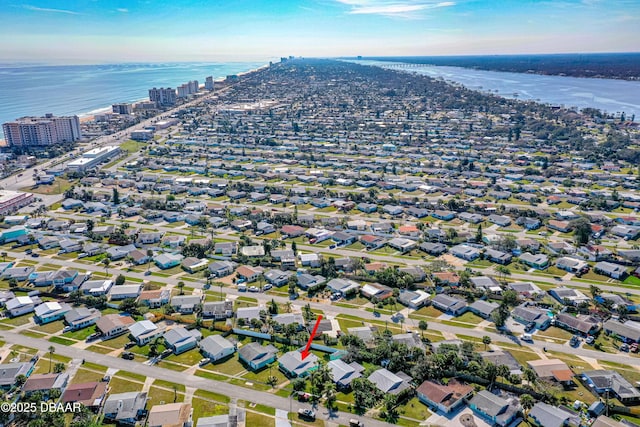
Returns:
(364,315)
(233,391)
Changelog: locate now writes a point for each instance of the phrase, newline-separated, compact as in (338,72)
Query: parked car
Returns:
(590,340)
(355,423)
(28,251)
(203,361)
(254,289)
(127,355)
(530,327)
(130,344)
(526,337)
(93,336)
(624,347)
(575,341)
(307,414)
(267,286)
(35,255)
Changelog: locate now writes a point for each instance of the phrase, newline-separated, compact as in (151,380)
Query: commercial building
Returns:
(162,97)
(13,200)
(93,158)
(42,131)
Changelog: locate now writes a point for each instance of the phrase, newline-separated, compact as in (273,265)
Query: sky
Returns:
(103,31)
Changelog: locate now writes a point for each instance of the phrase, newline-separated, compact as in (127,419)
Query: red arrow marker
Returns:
(305,352)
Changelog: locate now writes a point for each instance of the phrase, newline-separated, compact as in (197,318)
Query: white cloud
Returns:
(122,10)
(397,8)
(45,9)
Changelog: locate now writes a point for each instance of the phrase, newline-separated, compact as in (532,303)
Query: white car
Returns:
(267,287)
(254,289)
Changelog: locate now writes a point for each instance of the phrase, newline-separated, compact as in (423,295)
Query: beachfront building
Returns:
(42,131)
(162,97)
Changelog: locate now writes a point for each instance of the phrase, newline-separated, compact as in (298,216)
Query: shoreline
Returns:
(90,115)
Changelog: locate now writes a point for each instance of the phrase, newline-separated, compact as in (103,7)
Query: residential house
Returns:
(225,248)
(443,398)
(170,415)
(566,295)
(494,409)
(579,324)
(527,314)
(256,356)
(546,415)
(572,265)
(185,304)
(525,289)
(144,331)
(466,252)
(218,310)
(216,347)
(154,298)
(127,408)
(294,366)
(81,317)
(21,305)
(449,305)
(248,274)
(606,381)
(50,311)
(11,371)
(372,242)
(609,269)
(121,292)
(629,331)
(113,325)
(310,282)
(413,299)
(402,244)
(45,383)
(483,308)
(554,369)
(388,382)
(179,339)
(167,260)
(497,256)
(96,287)
(193,264)
(221,268)
(310,260)
(537,261)
(89,394)
(343,374)
(434,249)
(377,291)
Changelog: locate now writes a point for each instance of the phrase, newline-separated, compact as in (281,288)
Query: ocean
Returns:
(34,90)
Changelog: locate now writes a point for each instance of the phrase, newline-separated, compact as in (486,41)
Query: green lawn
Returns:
(85,376)
(632,280)
(80,334)
(123,385)
(189,358)
(50,328)
(159,396)
(206,408)
(554,332)
(63,341)
(16,321)
(231,366)
(210,395)
(255,419)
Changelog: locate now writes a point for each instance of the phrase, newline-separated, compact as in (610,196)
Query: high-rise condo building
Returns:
(162,97)
(42,131)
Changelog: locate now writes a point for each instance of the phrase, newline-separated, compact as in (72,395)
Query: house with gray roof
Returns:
(629,330)
(180,339)
(185,304)
(125,408)
(256,356)
(219,310)
(609,269)
(293,366)
(343,374)
(144,332)
(10,372)
(550,416)
(530,314)
(494,409)
(483,308)
(388,382)
(602,381)
(216,347)
(449,305)
(81,317)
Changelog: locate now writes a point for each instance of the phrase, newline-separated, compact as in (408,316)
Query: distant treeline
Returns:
(625,66)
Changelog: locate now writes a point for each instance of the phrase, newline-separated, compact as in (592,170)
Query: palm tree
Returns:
(106,263)
(527,403)
(486,340)
(52,350)
(181,287)
(4,256)
(423,325)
